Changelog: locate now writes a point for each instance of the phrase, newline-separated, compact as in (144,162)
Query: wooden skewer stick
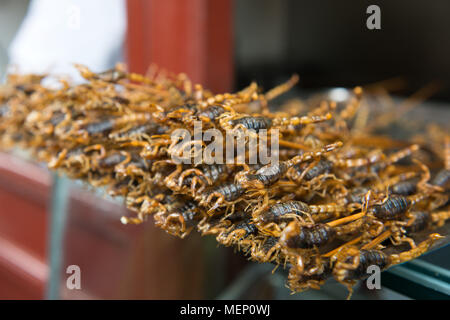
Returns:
(377,240)
(346,219)
(351,242)
(292,145)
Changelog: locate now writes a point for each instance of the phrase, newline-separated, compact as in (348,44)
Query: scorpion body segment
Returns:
(323,166)
(354,264)
(270,174)
(300,281)
(214,171)
(189,212)
(357,194)
(112,75)
(265,250)
(253,123)
(442,179)
(181,218)
(278,211)
(229,191)
(237,233)
(421,221)
(308,236)
(211,112)
(247,228)
(269,243)
(391,209)
(405,188)
(101,127)
(210,174)
(111,160)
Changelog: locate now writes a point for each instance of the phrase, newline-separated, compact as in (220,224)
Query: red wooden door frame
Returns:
(191,36)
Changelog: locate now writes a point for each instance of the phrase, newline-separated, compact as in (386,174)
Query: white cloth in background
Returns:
(55,34)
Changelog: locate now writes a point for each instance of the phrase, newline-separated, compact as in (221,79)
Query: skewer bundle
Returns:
(329,199)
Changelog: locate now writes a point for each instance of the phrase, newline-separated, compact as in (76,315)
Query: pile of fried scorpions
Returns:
(338,196)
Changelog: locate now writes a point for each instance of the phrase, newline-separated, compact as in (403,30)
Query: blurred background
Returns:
(47,223)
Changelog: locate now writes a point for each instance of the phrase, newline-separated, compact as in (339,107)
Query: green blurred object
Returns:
(58,215)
